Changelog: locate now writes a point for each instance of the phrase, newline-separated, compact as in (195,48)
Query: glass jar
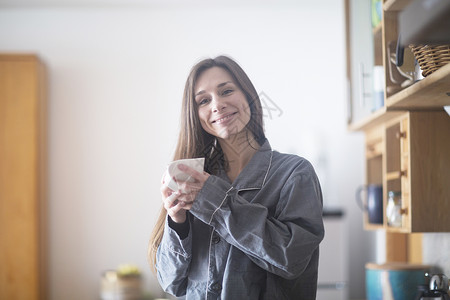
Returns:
(394,209)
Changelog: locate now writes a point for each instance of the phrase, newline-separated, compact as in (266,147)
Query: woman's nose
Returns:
(217,104)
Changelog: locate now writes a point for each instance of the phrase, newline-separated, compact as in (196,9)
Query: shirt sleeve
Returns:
(282,243)
(181,228)
(173,258)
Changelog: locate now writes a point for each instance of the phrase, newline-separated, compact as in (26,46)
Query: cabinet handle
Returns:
(402,173)
(362,90)
(403,211)
(400,134)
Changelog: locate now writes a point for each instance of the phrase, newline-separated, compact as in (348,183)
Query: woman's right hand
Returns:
(175,209)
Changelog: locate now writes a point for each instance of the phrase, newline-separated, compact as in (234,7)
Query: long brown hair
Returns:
(194,141)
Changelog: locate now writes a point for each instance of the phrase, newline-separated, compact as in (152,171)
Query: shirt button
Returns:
(216,287)
(215,239)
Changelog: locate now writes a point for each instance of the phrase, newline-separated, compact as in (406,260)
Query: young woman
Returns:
(250,225)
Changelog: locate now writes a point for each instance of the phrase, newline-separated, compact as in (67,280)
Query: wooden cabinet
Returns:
(407,140)
(409,155)
(418,165)
(22,178)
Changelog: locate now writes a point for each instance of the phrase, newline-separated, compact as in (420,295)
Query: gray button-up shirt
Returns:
(255,238)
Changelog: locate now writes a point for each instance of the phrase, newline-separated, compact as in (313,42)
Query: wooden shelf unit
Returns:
(408,146)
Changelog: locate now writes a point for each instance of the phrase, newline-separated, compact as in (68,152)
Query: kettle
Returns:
(438,288)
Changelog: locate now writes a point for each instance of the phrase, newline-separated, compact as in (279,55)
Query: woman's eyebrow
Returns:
(223,83)
(199,93)
(219,86)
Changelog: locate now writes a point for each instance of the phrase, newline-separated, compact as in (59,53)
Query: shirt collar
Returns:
(254,175)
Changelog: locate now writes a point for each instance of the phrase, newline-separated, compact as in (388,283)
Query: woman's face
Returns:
(223,109)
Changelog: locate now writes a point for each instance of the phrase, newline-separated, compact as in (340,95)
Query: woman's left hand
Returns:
(189,190)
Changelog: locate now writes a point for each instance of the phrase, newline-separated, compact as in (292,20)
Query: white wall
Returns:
(116,76)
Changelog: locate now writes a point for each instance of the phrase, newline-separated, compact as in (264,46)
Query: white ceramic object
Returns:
(174,174)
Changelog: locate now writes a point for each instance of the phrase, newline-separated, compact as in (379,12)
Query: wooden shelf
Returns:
(395,5)
(376,118)
(432,92)
(369,226)
(396,229)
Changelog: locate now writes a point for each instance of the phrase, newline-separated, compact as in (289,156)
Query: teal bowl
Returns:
(397,281)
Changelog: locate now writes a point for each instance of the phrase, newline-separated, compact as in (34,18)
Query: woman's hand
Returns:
(177,203)
(172,205)
(189,189)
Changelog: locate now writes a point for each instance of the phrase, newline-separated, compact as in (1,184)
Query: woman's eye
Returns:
(203,101)
(226,92)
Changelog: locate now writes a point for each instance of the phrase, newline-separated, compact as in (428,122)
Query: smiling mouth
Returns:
(221,120)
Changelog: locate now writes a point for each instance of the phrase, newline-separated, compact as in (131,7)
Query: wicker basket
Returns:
(431,58)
